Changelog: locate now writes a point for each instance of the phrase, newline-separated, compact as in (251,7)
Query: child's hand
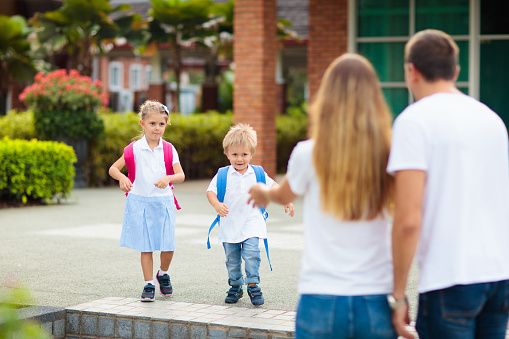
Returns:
(221,209)
(163,182)
(289,209)
(125,184)
(259,195)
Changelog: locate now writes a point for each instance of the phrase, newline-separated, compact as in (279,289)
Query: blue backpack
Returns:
(221,190)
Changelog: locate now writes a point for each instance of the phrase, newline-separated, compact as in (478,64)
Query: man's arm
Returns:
(409,190)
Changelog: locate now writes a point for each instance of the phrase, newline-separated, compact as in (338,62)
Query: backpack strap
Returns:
(168,163)
(222,175)
(129,162)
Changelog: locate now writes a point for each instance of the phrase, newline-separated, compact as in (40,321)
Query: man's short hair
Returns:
(433,53)
(240,135)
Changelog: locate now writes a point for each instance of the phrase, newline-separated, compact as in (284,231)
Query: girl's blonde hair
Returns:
(352,133)
(150,107)
(240,135)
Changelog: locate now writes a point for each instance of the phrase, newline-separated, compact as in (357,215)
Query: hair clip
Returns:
(165,109)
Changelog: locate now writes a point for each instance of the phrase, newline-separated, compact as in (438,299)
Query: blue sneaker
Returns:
(256,295)
(234,294)
(148,293)
(164,284)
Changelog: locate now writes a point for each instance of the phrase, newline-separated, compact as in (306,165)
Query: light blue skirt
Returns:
(149,223)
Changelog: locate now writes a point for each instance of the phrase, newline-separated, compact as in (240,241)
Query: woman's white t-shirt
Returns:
(339,257)
(150,167)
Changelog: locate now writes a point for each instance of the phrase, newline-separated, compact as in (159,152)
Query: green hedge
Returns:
(198,139)
(35,169)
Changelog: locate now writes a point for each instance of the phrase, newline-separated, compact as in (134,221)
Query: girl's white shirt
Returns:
(243,221)
(150,168)
(339,257)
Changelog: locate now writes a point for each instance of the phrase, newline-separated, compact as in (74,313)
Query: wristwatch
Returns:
(394,304)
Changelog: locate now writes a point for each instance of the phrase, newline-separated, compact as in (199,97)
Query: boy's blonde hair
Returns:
(240,135)
(351,128)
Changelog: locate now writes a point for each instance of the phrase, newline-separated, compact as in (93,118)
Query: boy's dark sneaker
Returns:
(148,293)
(234,294)
(256,295)
(164,284)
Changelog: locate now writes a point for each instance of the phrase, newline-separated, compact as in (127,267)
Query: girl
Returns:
(346,268)
(149,219)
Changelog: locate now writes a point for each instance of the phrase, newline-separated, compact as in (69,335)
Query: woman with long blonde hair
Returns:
(346,270)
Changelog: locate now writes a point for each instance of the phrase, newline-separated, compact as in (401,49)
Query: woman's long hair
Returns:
(352,132)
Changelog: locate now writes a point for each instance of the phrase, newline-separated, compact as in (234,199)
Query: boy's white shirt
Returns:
(150,168)
(243,221)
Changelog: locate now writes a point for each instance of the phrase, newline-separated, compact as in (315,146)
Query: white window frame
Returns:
(147,76)
(112,86)
(135,81)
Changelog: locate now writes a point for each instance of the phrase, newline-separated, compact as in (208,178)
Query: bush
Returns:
(198,139)
(35,169)
(17,125)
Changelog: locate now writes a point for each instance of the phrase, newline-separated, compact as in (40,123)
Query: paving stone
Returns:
(73,323)
(142,330)
(59,329)
(257,336)
(178,331)
(88,325)
(160,330)
(198,332)
(237,334)
(106,327)
(217,334)
(124,328)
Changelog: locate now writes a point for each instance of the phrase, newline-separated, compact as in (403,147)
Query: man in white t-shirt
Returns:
(450,159)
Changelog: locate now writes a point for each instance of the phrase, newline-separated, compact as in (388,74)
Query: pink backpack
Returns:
(168,162)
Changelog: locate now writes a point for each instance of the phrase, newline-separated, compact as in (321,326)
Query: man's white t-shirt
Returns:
(150,167)
(462,146)
(243,220)
(339,257)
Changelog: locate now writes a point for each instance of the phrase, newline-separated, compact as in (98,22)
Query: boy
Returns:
(241,224)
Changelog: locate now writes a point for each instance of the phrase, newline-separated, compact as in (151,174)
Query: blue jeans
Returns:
(250,252)
(344,317)
(465,311)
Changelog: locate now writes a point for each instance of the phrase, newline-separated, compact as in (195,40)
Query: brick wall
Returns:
(327,37)
(255,90)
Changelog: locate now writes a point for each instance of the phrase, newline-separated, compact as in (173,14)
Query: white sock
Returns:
(161,273)
(149,282)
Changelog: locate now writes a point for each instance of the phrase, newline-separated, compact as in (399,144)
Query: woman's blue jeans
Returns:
(478,311)
(250,252)
(344,317)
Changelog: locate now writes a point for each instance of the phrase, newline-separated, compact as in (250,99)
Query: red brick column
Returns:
(255,91)
(327,38)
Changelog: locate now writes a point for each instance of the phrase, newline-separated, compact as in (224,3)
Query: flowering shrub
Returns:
(65,105)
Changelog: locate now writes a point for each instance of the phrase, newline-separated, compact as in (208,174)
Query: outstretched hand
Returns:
(290,209)
(259,196)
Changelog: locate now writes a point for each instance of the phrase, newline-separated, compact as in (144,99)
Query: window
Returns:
(382,27)
(148,75)
(135,77)
(116,76)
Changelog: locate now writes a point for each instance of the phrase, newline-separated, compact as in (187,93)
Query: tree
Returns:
(178,23)
(86,28)
(16,56)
